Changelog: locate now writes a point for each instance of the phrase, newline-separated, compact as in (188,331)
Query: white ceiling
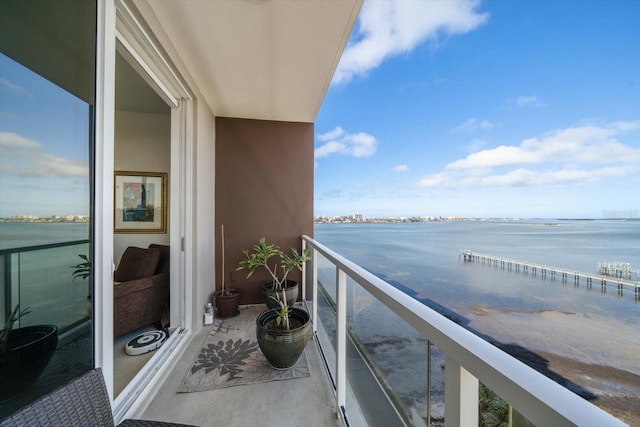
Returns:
(260,59)
(133,94)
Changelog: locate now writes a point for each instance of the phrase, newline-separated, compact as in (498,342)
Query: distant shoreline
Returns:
(45,220)
(391,220)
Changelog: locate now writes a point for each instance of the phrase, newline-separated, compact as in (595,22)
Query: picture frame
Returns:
(140,202)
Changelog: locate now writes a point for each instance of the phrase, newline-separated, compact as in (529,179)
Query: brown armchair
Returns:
(141,288)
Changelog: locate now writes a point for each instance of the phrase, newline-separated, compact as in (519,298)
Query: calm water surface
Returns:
(424,258)
(537,313)
(42,279)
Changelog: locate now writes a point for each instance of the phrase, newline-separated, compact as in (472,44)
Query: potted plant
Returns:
(259,256)
(283,330)
(282,333)
(82,271)
(24,353)
(227,299)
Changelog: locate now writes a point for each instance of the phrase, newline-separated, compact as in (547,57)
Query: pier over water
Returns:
(621,279)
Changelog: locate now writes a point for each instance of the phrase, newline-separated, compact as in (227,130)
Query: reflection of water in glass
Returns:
(42,281)
(422,260)
(47,286)
(43,278)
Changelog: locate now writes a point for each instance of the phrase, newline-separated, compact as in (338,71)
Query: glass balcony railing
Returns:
(40,278)
(51,340)
(395,361)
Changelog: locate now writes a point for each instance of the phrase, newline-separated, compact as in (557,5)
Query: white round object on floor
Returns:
(145,343)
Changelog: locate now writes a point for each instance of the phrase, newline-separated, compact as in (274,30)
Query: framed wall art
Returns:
(140,204)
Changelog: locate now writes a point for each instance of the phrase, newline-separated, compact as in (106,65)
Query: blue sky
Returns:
(468,108)
(44,154)
(484,109)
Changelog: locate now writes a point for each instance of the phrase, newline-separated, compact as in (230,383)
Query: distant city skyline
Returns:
(606,215)
(484,109)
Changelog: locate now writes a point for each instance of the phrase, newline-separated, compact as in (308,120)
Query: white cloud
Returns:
(528,101)
(339,141)
(435,180)
(527,177)
(400,168)
(11,140)
(474,124)
(329,148)
(586,144)
(499,156)
(477,145)
(390,28)
(13,88)
(46,165)
(578,154)
(25,157)
(332,134)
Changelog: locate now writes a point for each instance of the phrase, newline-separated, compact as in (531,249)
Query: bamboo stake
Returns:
(222,232)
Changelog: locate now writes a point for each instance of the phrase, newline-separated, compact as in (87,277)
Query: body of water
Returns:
(21,234)
(42,279)
(522,310)
(425,258)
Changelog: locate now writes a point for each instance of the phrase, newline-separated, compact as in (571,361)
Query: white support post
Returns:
(304,274)
(460,396)
(428,383)
(341,338)
(314,290)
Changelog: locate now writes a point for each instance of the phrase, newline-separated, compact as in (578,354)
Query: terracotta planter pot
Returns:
(29,351)
(281,347)
(227,304)
(291,291)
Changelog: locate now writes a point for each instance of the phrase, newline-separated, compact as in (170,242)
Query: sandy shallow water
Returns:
(595,357)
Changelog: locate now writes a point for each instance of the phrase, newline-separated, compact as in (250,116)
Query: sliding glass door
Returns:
(47,86)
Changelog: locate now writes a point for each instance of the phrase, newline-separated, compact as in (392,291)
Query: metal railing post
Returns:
(314,290)
(304,274)
(428,383)
(341,338)
(7,286)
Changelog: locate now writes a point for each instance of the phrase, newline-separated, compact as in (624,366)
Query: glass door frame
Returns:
(121,29)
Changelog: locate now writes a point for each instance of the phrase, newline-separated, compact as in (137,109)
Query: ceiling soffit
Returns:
(269,60)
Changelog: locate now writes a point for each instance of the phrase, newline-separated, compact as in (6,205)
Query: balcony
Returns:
(364,387)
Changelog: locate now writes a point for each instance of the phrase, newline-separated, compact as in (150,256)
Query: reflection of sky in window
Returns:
(44,147)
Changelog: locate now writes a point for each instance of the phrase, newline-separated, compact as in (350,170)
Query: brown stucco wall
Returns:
(264,188)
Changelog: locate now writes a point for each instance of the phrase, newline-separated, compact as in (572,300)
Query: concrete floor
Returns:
(126,367)
(307,402)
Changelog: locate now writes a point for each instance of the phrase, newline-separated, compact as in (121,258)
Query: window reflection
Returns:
(46,99)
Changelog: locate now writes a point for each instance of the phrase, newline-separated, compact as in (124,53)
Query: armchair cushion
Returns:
(137,263)
(163,264)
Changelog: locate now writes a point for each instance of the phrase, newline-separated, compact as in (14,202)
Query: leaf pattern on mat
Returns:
(215,368)
(228,356)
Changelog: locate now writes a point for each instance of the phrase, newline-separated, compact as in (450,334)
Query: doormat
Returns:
(231,356)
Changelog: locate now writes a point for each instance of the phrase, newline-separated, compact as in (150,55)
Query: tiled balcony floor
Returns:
(305,402)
